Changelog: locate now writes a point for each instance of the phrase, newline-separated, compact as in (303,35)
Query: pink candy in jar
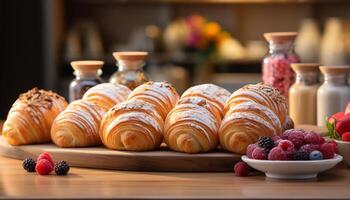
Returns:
(277,71)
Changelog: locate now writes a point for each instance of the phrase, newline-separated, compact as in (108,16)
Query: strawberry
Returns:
(346,136)
(336,117)
(347,109)
(343,125)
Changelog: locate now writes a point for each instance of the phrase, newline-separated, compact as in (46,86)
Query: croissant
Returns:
(214,94)
(30,117)
(106,95)
(191,127)
(78,125)
(132,125)
(253,111)
(160,94)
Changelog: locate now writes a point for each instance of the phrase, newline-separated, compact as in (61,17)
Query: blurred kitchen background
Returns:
(190,41)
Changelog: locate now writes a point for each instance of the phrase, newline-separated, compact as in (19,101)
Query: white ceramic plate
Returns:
(292,169)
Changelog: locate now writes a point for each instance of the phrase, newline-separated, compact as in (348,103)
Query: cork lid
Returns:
(305,67)
(280,36)
(130,55)
(335,69)
(87,65)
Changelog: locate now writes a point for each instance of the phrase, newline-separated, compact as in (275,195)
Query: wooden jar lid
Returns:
(280,36)
(305,67)
(87,65)
(130,55)
(335,69)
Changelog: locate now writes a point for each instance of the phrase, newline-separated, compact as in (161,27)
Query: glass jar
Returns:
(334,94)
(276,65)
(87,74)
(130,72)
(303,93)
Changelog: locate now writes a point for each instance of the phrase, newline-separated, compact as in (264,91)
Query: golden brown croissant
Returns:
(30,117)
(191,126)
(161,94)
(106,95)
(214,94)
(132,125)
(78,125)
(253,111)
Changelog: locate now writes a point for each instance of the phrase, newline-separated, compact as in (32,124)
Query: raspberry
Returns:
(61,168)
(316,155)
(312,138)
(266,142)
(29,164)
(300,155)
(43,167)
(46,156)
(327,150)
(334,145)
(250,150)
(346,137)
(297,138)
(322,140)
(259,153)
(308,148)
(241,169)
(286,145)
(277,153)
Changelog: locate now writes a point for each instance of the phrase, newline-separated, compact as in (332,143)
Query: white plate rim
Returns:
(337,158)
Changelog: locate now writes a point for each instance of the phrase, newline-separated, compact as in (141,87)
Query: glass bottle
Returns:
(87,74)
(334,94)
(276,65)
(303,93)
(130,72)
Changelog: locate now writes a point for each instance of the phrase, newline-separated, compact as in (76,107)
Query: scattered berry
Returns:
(29,164)
(259,153)
(312,138)
(308,148)
(250,150)
(44,167)
(241,169)
(316,155)
(346,137)
(277,153)
(327,150)
(266,142)
(61,168)
(46,156)
(300,155)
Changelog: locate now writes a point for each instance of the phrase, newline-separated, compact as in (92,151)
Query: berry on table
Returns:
(327,150)
(300,155)
(346,137)
(46,156)
(277,153)
(43,167)
(250,150)
(61,168)
(29,164)
(259,153)
(316,155)
(266,142)
(241,169)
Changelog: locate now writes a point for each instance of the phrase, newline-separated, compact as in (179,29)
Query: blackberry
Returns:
(29,164)
(300,155)
(61,168)
(266,142)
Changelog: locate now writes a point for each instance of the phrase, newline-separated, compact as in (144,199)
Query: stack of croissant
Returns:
(204,117)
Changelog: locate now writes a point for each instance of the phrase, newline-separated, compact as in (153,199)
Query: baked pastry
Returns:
(191,126)
(132,125)
(160,94)
(106,95)
(253,111)
(214,94)
(78,125)
(30,117)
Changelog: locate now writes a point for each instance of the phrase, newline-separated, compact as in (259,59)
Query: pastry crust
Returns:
(31,116)
(252,111)
(78,125)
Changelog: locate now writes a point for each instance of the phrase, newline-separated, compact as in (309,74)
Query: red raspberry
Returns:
(308,148)
(334,145)
(46,156)
(297,138)
(250,150)
(277,153)
(43,167)
(346,137)
(286,145)
(259,153)
(241,169)
(322,140)
(327,150)
(312,138)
